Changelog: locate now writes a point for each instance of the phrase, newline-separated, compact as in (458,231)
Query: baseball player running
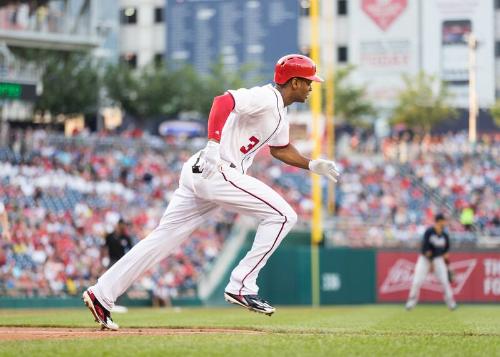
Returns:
(434,257)
(241,122)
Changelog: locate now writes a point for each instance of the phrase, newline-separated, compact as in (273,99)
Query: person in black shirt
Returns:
(433,257)
(118,242)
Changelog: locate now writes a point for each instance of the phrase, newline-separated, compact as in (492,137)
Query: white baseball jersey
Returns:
(258,119)
(2,208)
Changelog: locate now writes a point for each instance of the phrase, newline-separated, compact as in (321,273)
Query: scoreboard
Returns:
(234,32)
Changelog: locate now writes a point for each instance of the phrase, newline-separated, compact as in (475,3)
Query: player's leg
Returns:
(421,270)
(249,196)
(442,274)
(184,214)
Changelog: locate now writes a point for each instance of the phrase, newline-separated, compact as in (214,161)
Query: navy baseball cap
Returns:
(439,217)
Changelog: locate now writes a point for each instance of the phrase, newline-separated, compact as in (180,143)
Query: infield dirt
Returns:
(43,333)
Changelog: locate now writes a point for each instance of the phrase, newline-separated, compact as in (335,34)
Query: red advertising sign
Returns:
(383,12)
(477,277)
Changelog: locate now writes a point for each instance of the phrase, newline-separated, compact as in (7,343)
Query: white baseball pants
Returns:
(191,205)
(421,270)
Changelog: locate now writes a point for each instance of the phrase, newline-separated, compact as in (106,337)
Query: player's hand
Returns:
(209,160)
(325,167)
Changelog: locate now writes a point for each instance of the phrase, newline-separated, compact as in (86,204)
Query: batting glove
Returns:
(325,167)
(210,158)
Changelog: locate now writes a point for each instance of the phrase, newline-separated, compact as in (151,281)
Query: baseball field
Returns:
(367,330)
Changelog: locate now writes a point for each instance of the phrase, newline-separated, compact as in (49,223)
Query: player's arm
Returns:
(209,157)
(426,246)
(446,256)
(222,106)
(447,244)
(291,156)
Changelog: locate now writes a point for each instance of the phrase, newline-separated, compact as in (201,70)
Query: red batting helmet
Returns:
(294,65)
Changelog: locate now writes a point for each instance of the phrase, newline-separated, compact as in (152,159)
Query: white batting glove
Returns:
(325,167)
(210,159)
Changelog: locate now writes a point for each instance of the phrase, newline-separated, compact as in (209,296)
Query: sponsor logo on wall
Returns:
(383,12)
(477,277)
(401,275)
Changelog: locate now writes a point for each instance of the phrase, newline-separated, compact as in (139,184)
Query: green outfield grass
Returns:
(368,330)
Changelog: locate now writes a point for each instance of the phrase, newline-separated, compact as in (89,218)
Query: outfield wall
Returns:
(346,276)
(357,276)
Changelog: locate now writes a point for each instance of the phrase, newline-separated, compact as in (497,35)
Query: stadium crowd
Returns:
(63,196)
(389,193)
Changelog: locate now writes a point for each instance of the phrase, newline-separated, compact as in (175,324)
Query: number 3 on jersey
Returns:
(253,141)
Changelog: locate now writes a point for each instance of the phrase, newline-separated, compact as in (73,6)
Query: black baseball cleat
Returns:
(250,302)
(101,315)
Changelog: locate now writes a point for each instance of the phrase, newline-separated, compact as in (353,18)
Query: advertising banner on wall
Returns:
(445,27)
(384,45)
(476,277)
(388,38)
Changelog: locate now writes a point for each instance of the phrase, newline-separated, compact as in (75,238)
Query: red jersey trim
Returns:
(222,106)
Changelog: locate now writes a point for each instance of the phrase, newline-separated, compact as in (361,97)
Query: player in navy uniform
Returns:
(433,257)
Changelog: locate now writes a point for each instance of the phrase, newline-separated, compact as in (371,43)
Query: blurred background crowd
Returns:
(64,195)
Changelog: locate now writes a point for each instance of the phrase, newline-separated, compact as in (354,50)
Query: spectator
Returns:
(118,242)
(4,223)
(467,218)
